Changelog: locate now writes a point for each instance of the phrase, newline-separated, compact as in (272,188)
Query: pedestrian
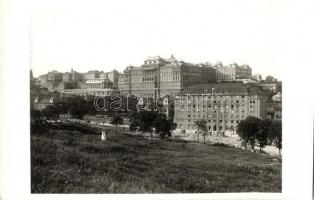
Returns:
(103,136)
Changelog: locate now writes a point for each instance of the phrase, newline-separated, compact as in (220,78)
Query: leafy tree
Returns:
(51,111)
(78,107)
(263,134)
(173,125)
(116,119)
(270,79)
(134,125)
(279,89)
(146,120)
(247,130)
(276,134)
(35,113)
(163,126)
(201,126)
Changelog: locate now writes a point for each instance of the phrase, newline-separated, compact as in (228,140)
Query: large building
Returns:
(232,72)
(112,76)
(159,77)
(90,83)
(222,105)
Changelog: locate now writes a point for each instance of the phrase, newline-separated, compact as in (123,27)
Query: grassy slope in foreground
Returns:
(68,160)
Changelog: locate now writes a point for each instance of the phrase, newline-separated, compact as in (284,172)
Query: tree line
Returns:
(254,131)
(144,120)
(78,106)
(152,122)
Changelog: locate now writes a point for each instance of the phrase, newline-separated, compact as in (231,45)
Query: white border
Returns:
(297,63)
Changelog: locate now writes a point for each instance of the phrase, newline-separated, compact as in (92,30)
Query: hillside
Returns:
(70,158)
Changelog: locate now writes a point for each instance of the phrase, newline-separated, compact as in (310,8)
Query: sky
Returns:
(105,35)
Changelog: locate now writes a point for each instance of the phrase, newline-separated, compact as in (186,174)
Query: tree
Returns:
(270,79)
(163,126)
(35,113)
(51,111)
(276,134)
(134,125)
(263,135)
(116,119)
(247,130)
(201,125)
(146,120)
(173,125)
(77,107)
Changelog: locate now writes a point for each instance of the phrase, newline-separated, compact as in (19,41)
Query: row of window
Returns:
(213,121)
(169,78)
(210,128)
(94,86)
(216,94)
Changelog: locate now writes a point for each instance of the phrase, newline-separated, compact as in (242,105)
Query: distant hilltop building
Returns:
(221,95)
(232,72)
(158,77)
(90,83)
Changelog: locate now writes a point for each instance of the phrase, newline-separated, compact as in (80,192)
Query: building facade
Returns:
(91,92)
(232,72)
(222,105)
(69,82)
(159,77)
(112,76)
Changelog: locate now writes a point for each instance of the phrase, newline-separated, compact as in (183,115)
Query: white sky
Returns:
(103,35)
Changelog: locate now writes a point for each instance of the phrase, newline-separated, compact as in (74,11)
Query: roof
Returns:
(98,81)
(93,71)
(95,81)
(229,88)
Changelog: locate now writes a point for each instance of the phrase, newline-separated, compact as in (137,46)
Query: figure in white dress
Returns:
(103,136)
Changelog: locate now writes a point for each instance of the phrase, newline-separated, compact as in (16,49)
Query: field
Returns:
(70,158)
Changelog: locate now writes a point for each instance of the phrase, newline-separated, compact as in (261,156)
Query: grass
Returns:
(70,158)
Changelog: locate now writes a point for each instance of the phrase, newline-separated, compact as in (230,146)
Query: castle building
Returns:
(232,72)
(90,83)
(159,77)
(222,105)
(112,76)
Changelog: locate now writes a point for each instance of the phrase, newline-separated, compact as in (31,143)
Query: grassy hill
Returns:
(72,159)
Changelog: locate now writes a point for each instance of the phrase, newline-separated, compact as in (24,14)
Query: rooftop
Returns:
(230,88)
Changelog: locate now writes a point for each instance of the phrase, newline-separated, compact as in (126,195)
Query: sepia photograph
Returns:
(155,97)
